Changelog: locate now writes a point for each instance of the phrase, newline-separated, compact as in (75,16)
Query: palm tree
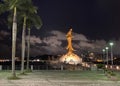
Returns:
(33,20)
(14,33)
(11,6)
(27,10)
(25,7)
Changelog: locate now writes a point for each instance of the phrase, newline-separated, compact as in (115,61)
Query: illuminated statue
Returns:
(69,39)
(70,57)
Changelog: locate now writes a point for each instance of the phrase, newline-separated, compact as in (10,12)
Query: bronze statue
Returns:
(69,39)
(70,57)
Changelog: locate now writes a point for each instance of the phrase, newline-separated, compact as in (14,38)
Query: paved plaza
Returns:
(37,78)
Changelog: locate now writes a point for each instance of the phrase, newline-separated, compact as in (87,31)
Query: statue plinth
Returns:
(71,59)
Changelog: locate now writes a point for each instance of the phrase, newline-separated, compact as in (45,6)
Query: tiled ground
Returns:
(36,79)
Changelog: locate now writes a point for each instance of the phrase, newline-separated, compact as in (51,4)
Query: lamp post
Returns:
(111,45)
(103,50)
(107,55)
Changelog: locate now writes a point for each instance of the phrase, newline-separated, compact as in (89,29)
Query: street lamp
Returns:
(103,55)
(111,45)
(107,55)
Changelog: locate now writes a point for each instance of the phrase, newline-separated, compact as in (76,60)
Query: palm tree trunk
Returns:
(23,45)
(14,33)
(28,49)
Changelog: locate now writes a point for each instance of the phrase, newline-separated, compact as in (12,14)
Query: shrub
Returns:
(100,66)
(112,73)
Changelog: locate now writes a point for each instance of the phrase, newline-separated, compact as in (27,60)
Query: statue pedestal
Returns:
(71,58)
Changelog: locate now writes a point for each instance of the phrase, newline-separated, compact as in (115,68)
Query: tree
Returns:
(24,7)
(27,12)
(11,6)
(33,20)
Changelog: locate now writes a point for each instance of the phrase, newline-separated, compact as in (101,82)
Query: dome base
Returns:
(71,58)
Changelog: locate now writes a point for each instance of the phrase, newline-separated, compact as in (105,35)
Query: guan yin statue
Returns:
(70,57)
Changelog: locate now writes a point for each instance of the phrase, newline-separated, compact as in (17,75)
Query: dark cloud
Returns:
(55,43)
(34,40)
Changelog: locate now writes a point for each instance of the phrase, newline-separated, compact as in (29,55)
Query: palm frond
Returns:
(3,7)
(34,20)
(12,4)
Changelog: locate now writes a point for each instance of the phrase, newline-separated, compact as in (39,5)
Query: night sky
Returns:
(97,19)
(94,23)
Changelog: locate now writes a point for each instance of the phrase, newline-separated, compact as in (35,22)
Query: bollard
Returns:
(0,67)
(31,67)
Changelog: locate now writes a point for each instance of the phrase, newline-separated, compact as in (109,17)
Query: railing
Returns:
(32,67)
(46,67)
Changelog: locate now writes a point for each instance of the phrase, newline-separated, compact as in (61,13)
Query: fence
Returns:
(32,67)
(47,67)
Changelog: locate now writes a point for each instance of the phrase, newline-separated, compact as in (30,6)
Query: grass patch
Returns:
(4,74)
(74,75)
(23,73)
(13,78)
(28,71)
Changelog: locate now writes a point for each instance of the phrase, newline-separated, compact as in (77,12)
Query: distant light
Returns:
(95,65)
(117,67)
(111,43)
(99,60)
(83,64)
(115,58)
(106,66)
(103,50)
(38,60)
(107,48)
(88,65)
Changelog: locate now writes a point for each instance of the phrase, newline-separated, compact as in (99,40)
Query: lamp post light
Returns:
(111,45)
(107,55)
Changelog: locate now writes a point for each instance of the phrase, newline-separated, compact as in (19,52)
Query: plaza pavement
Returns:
(37,79)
